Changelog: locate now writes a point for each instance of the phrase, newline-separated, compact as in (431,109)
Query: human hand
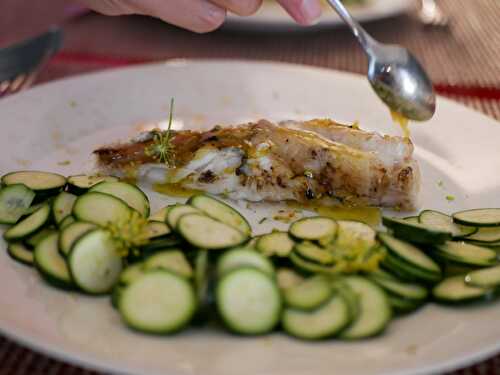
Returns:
(202,15)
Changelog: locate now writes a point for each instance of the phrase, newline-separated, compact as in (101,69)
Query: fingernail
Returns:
(310,11)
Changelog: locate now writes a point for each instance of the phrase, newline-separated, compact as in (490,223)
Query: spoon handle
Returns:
(366,41)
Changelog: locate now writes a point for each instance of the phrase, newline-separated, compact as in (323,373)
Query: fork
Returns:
(430,14)
(20,63)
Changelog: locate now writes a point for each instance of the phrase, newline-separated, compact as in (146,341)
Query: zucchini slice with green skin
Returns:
(485,278)
(220,211)
(161,214)
(402,305)
(175,212)
(201,277)
(28,225)
(248,301)
(158,302)
(79,184)
(130,194)
(323,322)
(400,289)
(464,253)
(62,206)
(161,244)
(349,296)
(406,271)
(417,233)
(157,229)
(479,217)
(15,200)
(314,253)
(35,207)
(307,266)
(355,233)
(51,265)
(309,294)
(38,181)
(288,278)
(94,262)
(375,311)
(243,257)
(35,239)
(412,219)
(454,290)
(19,252)
(276,243)
(71,233)
(131,273)
(67,221)
(438,220)
(485,235)
(206,233)
(170,260)
(313,228)
(410,254)
(100,209)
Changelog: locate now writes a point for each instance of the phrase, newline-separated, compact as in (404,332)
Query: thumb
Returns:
(305,12)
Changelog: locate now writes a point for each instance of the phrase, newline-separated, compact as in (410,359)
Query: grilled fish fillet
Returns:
(317,160)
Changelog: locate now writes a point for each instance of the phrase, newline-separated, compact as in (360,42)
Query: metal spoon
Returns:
(394,73)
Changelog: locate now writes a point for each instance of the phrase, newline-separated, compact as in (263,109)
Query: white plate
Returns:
(271,17)
(65,120)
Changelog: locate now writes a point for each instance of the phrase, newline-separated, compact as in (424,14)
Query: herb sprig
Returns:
(162,149)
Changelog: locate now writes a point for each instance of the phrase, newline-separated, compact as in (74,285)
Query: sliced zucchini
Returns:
(276,243)
(221,211)
(15,200)
(207,233)
(130,194)
(201,277)
(131,273)
(355,234)
(323,322)
(18,251)
(63,206)
(412,219)
(40,182)
(170,260)
(485,278)
(35,207)
(309,295)
(288,278)
(406,271)
(157,229)
(464,253)
(34,239)
(349,296)
(175,212)
(29,225)
(313,253)
(417,233)
(80,184)
(71,233)
(451,268)
(374,309)
(100,209)
(410,254)
(313,228)
(455,290)
(243,257)
(70,219)
(161,214)
(159,302)
(248,301)
(51,264)
(479,217)
(403,305)
(161,244)
(443,222)
(401,289)
(94,262)
(307,266)
(485,235)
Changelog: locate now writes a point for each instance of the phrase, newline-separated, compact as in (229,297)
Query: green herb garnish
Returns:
(161,149)
(450,198)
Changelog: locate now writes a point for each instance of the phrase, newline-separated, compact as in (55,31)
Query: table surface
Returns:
(463,61)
